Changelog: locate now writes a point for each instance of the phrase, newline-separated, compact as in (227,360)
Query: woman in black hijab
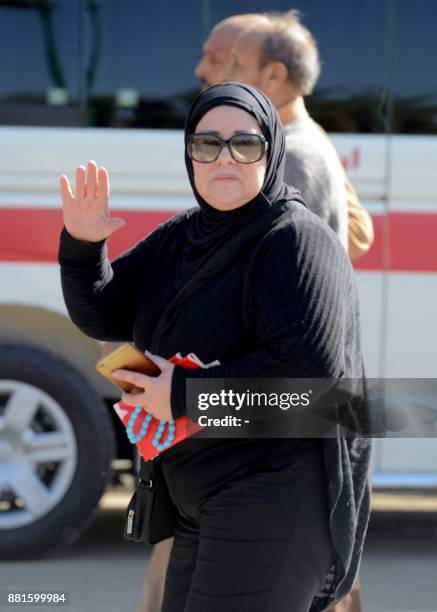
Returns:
(252,278)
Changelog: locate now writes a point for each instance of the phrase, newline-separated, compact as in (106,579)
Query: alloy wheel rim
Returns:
(38,453)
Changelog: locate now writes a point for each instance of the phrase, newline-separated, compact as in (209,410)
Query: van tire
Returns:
(95,444)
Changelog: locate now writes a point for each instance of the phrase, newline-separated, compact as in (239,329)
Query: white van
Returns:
(112,81)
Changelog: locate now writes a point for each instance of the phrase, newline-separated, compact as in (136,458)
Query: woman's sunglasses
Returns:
(244,148)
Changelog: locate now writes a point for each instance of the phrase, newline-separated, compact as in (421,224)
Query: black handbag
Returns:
(150,515)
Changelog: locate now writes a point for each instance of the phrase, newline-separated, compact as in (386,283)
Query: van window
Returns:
(131,63)
(39,62)
(415,70)
(140,59)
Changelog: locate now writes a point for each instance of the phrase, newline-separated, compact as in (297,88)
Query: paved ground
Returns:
(399,569)
(104,573)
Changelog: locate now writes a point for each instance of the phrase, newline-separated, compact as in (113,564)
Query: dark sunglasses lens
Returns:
(247,148)
(203,148)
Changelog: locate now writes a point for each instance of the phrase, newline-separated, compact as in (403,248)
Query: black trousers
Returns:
(261,544)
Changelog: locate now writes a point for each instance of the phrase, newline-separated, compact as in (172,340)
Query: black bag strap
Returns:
(149,470)
(146,473)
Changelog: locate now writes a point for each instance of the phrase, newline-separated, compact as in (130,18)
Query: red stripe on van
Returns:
(404,241)
(413,241)
(32,234)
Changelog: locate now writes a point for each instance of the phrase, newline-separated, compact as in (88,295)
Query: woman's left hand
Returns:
(156,396)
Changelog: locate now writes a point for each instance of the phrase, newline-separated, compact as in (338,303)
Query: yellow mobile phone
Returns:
(126,357)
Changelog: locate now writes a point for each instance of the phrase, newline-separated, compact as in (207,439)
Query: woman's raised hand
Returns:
(86,212)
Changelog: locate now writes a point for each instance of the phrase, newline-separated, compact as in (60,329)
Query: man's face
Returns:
(216,55)
(244,60)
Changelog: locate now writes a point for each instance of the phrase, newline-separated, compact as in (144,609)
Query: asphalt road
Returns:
(104,573)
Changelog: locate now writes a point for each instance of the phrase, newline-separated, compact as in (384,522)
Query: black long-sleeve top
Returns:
(286,306)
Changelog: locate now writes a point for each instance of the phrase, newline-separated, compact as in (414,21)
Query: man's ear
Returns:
(275,76)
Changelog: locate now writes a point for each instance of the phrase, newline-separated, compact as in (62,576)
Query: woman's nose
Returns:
(225,156)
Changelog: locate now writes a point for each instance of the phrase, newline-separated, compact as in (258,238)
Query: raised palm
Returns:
(85,210)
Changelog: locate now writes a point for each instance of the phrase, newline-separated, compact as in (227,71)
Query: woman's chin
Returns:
(220,205)
(226,201)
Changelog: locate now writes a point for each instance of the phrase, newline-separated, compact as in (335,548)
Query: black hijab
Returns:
(208,229)
(212,238)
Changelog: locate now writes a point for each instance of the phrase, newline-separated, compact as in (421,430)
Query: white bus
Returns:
(112,81)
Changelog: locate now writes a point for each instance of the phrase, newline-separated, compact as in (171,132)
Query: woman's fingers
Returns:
(83,208)
(91,184)
(115,223)
(66,192)
(135,378)
(103,183)
(79,187)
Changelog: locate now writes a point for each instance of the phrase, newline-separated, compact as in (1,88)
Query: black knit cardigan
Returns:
(296,289)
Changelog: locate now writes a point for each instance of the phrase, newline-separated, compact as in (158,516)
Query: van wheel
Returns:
(56,447)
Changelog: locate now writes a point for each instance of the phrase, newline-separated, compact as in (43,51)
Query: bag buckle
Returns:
(148,482)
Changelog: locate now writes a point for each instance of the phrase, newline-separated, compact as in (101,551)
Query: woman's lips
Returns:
(225,177)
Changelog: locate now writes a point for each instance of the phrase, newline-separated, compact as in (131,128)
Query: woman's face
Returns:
(225,183)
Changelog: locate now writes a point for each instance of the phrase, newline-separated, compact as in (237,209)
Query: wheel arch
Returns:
(55,333)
